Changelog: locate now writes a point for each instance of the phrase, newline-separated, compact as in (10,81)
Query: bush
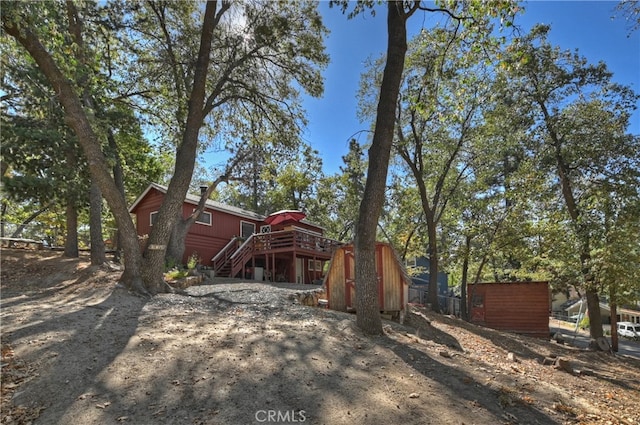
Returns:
(175,274)
(584,323)
(194,260)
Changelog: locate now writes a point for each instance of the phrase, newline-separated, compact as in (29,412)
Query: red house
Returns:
(283,246)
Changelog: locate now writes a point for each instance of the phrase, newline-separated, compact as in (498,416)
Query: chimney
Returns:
(203,189)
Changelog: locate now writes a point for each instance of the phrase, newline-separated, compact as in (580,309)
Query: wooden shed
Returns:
(520,307)
(393,281)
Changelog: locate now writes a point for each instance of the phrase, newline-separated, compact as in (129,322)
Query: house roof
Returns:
(194,199)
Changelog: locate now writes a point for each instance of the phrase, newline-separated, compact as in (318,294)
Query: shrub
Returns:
(194,260)
(175,274)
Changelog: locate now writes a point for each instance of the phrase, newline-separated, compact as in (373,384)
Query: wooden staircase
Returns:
(231,259)
(222,260)
(240,257)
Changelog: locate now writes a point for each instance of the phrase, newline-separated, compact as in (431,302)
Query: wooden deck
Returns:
(292,243)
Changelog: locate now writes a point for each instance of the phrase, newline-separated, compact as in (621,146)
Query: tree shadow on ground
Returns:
(73,343)
(28,281)
(524,347)
(465,389)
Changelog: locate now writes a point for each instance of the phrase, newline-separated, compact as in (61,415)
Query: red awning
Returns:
(283,216)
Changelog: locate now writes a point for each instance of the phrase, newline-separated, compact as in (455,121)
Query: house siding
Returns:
(208,240)
(152,203)
(202,239)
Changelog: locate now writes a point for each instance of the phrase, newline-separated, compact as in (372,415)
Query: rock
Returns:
(512,358)
(414,395)
(310,298)
(558,338)
(563,364)
(603,344)
(445,353)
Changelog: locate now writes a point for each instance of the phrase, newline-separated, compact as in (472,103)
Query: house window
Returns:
(153,217)
(411,262)
(247,229)
(204,218)
(315,265)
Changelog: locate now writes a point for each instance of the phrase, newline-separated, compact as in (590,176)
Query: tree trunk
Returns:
(77,119)
(175,249)
(595,316)
(566,186)
(367,302)
(71,238)
(98,256)
(614,326)
(465,278)
(3,214)
(171,209)
(118,178)
(433,265)
(24,224)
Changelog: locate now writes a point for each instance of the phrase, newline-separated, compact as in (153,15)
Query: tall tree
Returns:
(439,108)
(367,303)
(580,118)
(258,65)
(34,123)
(272,36)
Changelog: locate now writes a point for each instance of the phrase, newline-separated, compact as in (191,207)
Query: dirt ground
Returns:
(79,349)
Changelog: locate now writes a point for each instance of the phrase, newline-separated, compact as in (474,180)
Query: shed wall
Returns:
(335,275)
(392,280)
(521,307)
(392,287)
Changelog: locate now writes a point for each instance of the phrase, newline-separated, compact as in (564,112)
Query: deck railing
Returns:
(221,259)
(242,255)
(287,240)
(234,258)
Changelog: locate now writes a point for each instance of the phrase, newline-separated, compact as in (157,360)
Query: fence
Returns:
(448,305)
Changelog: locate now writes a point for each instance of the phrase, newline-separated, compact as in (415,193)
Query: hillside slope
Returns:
(76,348)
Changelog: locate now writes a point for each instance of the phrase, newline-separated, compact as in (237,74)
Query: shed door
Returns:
(350,277)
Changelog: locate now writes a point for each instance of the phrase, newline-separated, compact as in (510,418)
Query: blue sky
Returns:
(584,25)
